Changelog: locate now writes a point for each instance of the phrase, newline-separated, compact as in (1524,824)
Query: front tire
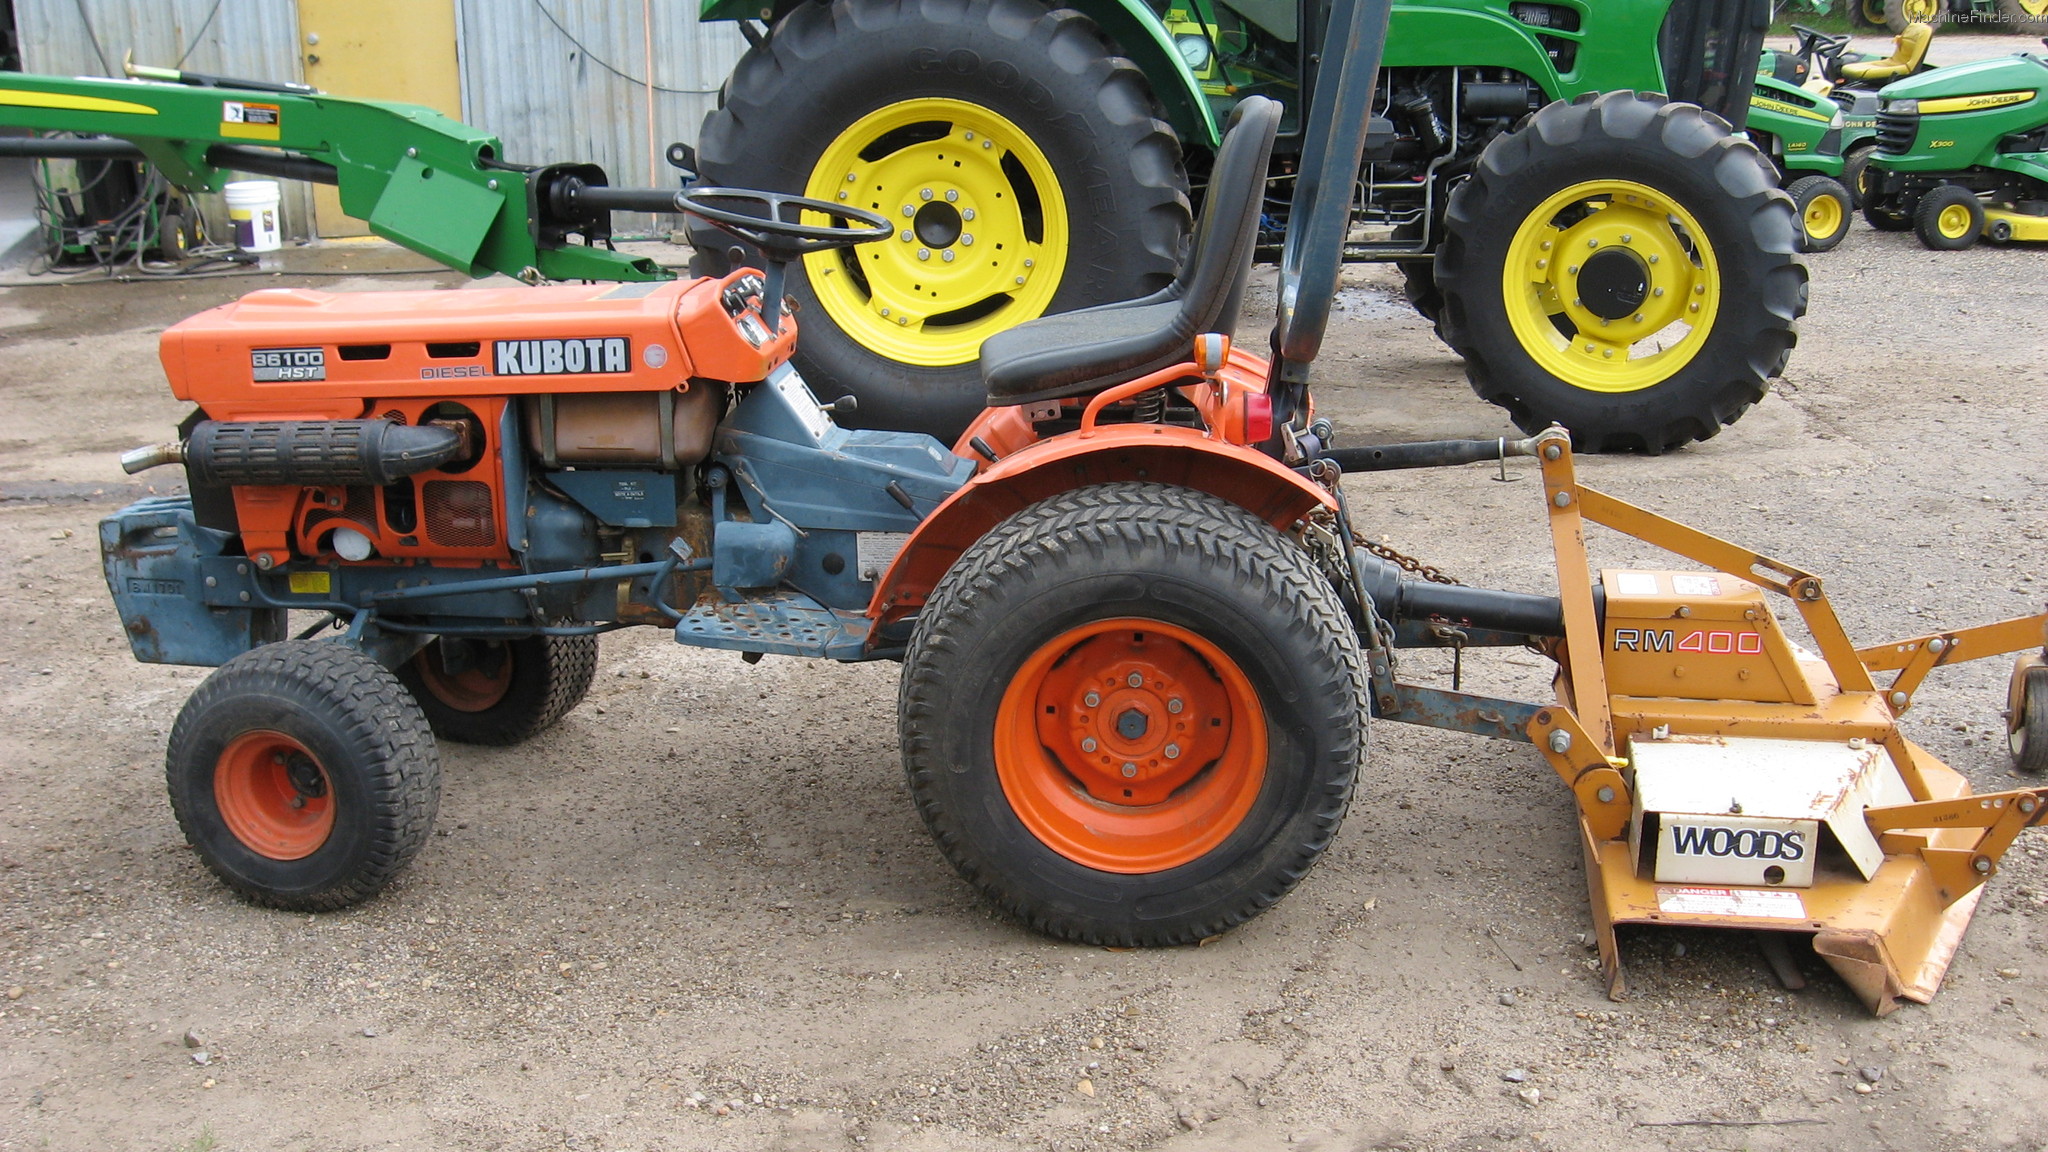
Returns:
(500,692)
(1034,168)
(2027,718)
(1824,212)
(1671,331)
(303,775)
(1132,715)
(1949,219)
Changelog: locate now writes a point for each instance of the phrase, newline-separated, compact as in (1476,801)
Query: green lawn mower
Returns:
(1803,135)
(1963,152)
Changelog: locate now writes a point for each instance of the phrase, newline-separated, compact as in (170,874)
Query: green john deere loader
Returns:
(1590,254)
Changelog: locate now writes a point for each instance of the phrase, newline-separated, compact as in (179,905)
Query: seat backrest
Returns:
(1211,282)
(1911,46)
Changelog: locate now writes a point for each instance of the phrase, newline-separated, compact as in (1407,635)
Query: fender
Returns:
(1158,453)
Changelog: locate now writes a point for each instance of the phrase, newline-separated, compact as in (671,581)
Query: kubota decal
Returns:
(579,357)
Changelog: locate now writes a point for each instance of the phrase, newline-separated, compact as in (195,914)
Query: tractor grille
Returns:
(458,513)
(1896,131)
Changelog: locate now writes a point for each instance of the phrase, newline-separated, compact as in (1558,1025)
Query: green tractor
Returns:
(1986,15)
(1963,153)
(1612,260)
(1803,133)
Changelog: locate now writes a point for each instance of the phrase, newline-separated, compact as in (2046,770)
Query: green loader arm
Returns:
(419,179)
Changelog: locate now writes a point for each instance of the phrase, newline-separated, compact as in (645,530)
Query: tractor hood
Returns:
(2000,74)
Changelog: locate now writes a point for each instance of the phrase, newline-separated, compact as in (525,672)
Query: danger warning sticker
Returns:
(247,121)
(1779,905)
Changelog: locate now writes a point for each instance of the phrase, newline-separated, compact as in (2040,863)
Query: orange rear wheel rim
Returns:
(1130,745)
(474,689)
(274,795)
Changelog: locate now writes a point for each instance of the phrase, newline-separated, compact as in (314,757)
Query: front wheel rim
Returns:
(477,688)
(1130,746)
(1823,217)
(1920,11)
(274,795)
(981,230)
(1611,286)
(1954,221)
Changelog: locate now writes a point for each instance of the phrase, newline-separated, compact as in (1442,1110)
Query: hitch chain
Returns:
(1429,572)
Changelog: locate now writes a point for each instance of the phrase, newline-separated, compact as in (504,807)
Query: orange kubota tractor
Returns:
(1140,644)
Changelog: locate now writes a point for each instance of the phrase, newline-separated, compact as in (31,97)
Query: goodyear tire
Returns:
(303,775)
(1949,218)
(1037,175)
(2027,718)
(1686,300)
(1824,211)
(500,692)
(1132,715)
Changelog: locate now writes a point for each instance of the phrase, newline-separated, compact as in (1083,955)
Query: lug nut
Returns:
(967,238)
(1571,269)
(1088,745)
(1130,770)
(952,194)
(947,255)
(924,194)
(885,312)
(1092,700)
(1020,279)
(908,236)
(967,213)
(1627,239)
(842,195)
(909,210)
(924,253)
(970,136)
(1174,705)
(1135,680)
(1173,751)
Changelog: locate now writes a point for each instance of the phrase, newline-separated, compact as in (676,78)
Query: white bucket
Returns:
(253,213)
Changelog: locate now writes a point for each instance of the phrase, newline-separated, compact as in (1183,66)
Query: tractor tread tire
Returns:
(374,733)
(1095,532)
(816,74)
(1764,280)
(535,702)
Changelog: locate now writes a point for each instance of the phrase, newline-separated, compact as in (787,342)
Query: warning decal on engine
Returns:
(272,365)
(1780,905)
(599,354)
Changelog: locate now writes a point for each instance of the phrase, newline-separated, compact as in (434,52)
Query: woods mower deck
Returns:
(1140,639)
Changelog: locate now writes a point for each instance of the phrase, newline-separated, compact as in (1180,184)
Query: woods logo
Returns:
(1698,640)
(1743,844)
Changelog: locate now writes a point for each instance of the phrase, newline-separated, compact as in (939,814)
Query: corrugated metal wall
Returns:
(562,80)
(556,80)
(252,39)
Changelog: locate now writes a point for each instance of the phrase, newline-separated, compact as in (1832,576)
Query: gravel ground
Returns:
(702,913)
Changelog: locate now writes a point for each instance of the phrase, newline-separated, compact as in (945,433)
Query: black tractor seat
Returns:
(1081,353)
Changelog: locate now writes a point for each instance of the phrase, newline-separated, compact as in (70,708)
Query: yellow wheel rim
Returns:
(981,230)
(1920,11)
(1823,217)
(1611,286)
(1954,221)
(2034,7)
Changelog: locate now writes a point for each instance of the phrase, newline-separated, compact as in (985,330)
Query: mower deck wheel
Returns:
(1824,211)
(1132,715)
(499,692)
(2027,723)
(303,775)
(1949,218)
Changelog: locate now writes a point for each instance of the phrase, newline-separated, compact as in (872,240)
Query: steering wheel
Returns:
(778,238)
(1814,42)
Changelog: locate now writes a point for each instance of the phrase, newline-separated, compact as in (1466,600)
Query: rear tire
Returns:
(1855,167)
(1949,219)
(1824,211)
(303,775)
(858,86)
(1898,14)
(500,692)
(1681,373)
(1016,707)
(2027,17)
